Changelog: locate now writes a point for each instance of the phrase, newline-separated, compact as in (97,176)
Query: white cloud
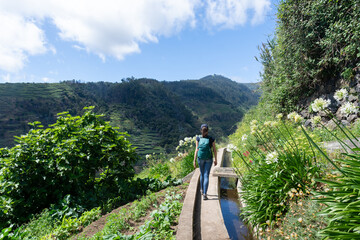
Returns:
(5,78)
(109,27)
(19,39)
(115,28)
(52,49)
(231,13)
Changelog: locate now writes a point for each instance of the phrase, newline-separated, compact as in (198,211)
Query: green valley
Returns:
(156,114)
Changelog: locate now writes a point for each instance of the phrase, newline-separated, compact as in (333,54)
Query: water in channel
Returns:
(230,207)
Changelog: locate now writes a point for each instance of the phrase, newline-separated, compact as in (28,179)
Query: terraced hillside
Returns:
(155,114)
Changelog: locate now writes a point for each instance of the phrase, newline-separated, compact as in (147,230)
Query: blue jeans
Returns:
(205,166)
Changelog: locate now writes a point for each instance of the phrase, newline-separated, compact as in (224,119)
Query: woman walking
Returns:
(205,147)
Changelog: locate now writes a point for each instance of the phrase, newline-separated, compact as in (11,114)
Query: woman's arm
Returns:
(195,154)
(215,155)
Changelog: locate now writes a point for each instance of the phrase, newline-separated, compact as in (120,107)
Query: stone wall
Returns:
(328,92)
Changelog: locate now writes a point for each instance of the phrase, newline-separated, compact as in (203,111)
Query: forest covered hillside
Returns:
(155,114)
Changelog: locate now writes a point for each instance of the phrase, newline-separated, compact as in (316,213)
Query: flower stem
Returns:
(317,147)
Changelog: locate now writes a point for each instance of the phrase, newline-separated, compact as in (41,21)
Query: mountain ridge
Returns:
(156,114)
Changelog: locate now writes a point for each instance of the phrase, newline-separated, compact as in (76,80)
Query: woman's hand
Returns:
(194,164)
(215,162)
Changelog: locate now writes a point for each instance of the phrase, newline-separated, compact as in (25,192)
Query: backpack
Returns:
(204,152)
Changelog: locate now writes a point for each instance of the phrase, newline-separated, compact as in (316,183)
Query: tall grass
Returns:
(280,167)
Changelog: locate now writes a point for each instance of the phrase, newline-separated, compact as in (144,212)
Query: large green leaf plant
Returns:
(82,156)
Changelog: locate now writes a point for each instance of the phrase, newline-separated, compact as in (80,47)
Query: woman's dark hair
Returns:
(204,131)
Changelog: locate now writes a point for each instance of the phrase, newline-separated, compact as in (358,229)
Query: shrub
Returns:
(186,164)
(82,156)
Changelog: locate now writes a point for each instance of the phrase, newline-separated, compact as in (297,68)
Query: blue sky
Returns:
(108,40)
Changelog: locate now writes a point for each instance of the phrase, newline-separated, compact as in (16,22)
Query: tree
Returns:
(82,156)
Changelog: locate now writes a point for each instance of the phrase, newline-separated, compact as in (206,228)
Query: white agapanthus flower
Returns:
(171,160)
(274,124)
(349,108)
(316,120)
(340,94)
(295,117)
(181,142)
(187,139)
(291,115)
(320,104)
(244,137)
(272,157)
(180,154)
(279,116)
(298,118)
(267,123)
(231,147)
(148,156)
(253,129)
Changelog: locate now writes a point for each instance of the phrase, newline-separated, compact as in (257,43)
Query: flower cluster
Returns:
(279,116)
(295,117)
(267,123)
(271,157)
(349,108)
(320,104)
(187,142)
(231,147)
(274,124)
(291,115)
(316,120)
(246,154)
(340,94)
(244,137)
(253,126)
